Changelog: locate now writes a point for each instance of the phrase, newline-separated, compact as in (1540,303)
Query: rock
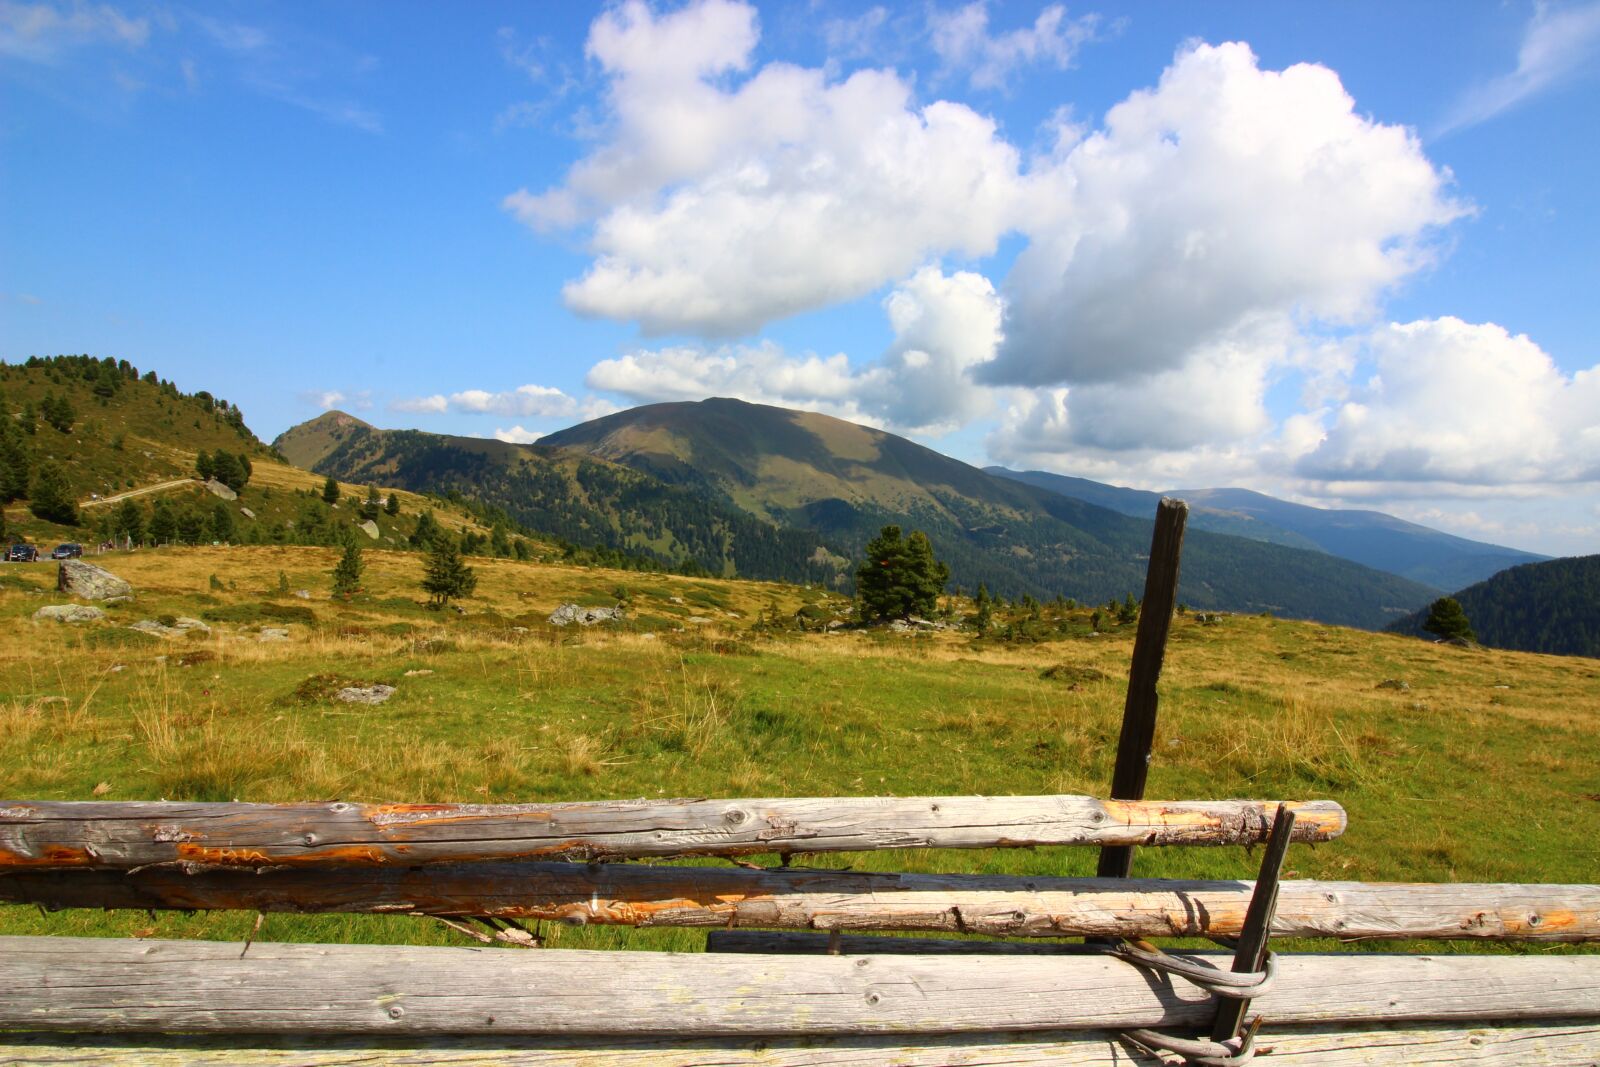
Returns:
(118,599)
(418,673)
(698,620)
(179,627)
(572,613)
(247,513)
(369,528)
(221,490)
(77,578)
(69,613)
(366,694)
(272,633)
(1395,683)
(675,599)
(649,637)
(303,594)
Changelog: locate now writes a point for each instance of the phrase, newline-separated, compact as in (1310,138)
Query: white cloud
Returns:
(525,401)
(720,207)
(1225,195)
(1558,44)
(1458,404)
(943,325)
(327,399)
(962,40)
(517,435)
(40,32)
(437,404)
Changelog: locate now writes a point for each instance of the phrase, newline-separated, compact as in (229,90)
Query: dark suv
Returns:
(22,554)
(70,550)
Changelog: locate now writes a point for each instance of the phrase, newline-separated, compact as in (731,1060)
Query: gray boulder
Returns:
(221,490)
(180,626)
(366,694)
(567,614)
(69,613)
(88,582)
(369,528)
(272,633)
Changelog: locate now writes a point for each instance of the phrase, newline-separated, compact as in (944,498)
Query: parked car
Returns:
(22,554)
(70,550)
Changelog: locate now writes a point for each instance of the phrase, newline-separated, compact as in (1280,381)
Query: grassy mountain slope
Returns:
(1552,606)
(1372,538)
(845,481)
(579,499)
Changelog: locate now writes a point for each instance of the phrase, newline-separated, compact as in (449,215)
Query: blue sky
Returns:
(1342,253)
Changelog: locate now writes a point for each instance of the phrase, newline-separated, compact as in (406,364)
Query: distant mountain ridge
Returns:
(1553,606)
(1371,538)
(844,481)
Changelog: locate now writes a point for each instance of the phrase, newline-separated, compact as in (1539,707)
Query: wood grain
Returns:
(618,894)
(106,985)
(119,836)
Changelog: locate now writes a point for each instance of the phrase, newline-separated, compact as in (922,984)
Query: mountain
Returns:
(1372,538)
(1552,606)
(579,499)
(843,482)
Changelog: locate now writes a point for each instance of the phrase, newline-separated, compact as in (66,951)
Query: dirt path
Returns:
(115,497)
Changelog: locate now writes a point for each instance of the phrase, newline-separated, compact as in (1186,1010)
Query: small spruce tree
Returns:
(427,529)
(371,505)
(1446,619)
(205,466)
(391,505)
(347,573)
(899,578)
(445,577)
(51,498)
(163,523)
(330,491)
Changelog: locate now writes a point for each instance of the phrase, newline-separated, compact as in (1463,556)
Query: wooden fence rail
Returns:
(107,985)
(119,836)
(800,898)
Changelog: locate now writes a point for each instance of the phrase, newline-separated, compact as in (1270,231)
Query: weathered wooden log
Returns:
(801,898)
(1556,1044)
(105,985)
(806,943)
(55,834)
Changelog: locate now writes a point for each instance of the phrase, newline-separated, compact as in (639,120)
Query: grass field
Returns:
(1486,769)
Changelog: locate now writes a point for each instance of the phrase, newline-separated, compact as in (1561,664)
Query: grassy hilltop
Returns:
(709,689)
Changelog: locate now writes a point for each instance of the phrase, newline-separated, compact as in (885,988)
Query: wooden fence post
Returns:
(1149,650)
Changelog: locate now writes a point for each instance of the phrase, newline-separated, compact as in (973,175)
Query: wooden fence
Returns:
(795,972)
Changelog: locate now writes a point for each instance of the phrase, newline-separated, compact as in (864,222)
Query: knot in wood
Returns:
(396,1011)
(734,816)
(873,998)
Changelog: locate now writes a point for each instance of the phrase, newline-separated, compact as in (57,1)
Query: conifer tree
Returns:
(222,527)
(330,491)
(347,573)
(371,505)
(899,578)
(128,522)
(51,498)
(391,505)
(163,523)
(15,468)
(445,576)
(1446,619)
(427,529)
(205,466)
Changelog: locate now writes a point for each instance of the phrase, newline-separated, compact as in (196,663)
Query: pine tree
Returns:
(163,523)
(128,522)
(347,574)
(1446,619)
(15,468)
(445,576)
(51,498)
(371,506)
(899,578)
(427,529)
(391,506)
(245,466)
(330,491)
(205,466)
(225,469)
(222,527)
(499,541)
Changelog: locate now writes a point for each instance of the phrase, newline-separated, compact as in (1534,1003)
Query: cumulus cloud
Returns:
(517,435)
(719,206)
(525,401)
(40,32)
(1225,194)
(1464,404)
(943,325)
(1558,44)
(962,40)
(328,399)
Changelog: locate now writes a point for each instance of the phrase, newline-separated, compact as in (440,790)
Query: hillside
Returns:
(1538,607)
(126,446)
(845,481)
(1371,538)
(577,499)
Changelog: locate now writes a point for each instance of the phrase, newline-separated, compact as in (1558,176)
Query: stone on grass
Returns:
(1395,683)
(88,582)
(572,613)
(366,694)
(180,626)
(369,528)
(272,633)
(221,490)
(69,613)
